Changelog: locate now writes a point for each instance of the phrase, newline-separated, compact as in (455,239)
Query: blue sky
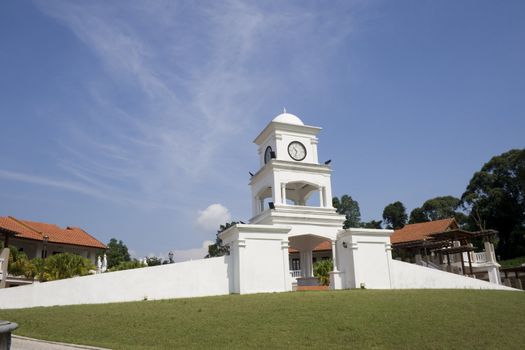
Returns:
(135,119)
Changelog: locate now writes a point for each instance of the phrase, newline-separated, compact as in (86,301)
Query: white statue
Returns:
(104,263)
(99,265)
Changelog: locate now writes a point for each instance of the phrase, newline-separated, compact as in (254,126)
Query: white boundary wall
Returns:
(411,276)
(195,278)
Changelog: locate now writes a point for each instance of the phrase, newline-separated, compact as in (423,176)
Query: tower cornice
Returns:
(276,165)
(276,126)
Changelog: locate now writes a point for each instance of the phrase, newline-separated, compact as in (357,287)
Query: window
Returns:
(296,264)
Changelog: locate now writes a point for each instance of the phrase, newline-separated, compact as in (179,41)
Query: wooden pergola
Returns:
(463,235)
(442,243)
(459,250)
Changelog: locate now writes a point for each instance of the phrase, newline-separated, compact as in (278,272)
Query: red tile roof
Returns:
(37,230)
(420,231)
(326,245)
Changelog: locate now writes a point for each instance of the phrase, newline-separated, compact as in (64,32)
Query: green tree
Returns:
(322,271)
(395,215)
(372,224)
(153,261)
(116,253)
(438,208)
(127,265)
(349,208)
(217,248)
(418,215)
(495,199)
(441,207)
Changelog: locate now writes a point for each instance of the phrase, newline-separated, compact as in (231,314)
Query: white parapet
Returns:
(411,276)
(364,258)
(195,278)
(258,258)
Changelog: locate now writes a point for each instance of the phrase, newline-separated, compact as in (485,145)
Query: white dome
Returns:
(288,118)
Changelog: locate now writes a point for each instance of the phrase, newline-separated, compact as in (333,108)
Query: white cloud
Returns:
(212,217)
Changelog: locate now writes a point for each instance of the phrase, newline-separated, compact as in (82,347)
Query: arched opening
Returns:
(305,251)
(263,198)
(303,194)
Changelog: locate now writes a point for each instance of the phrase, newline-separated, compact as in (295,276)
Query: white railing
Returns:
(480,257)
(295,273)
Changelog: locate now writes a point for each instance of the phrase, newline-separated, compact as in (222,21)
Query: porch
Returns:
(304,252)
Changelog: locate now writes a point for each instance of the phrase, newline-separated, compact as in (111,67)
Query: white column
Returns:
(489,252)
(321,199)
(286,265)
(302,261)
(494,274)
(314,143)
(276,191)
(309,265)
(255,205)
(334,254)
(328,195)
(283,192)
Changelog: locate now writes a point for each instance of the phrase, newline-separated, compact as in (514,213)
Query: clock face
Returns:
(296,150)
(267,154)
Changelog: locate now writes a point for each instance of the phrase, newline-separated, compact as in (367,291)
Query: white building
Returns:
(291,204)
(289,176)
(286,217)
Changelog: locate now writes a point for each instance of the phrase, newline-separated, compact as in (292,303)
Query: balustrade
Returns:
(295,273)
(480,257)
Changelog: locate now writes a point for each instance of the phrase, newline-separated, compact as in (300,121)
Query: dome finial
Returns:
(288,118)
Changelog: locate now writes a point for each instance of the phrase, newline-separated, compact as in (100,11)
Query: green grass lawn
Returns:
(513,262)
(414,319)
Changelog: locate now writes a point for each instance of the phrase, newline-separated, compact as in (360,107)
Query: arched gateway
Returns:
(292,209)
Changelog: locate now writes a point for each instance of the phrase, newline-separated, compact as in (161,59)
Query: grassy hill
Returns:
(430,319)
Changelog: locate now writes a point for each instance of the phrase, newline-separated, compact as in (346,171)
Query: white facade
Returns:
(195,278)
(259,261)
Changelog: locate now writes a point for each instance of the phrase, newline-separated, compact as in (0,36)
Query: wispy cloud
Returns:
(165,105)
(62,184)
(195,77)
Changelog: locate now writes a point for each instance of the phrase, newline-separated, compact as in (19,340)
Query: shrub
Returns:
(153,261)
(19,264)
(65,265)
(322,271)
(127,265)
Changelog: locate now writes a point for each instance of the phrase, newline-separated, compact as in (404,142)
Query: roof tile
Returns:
(420,231)
(37,230)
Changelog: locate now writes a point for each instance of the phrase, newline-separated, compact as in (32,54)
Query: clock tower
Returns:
(290,177)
